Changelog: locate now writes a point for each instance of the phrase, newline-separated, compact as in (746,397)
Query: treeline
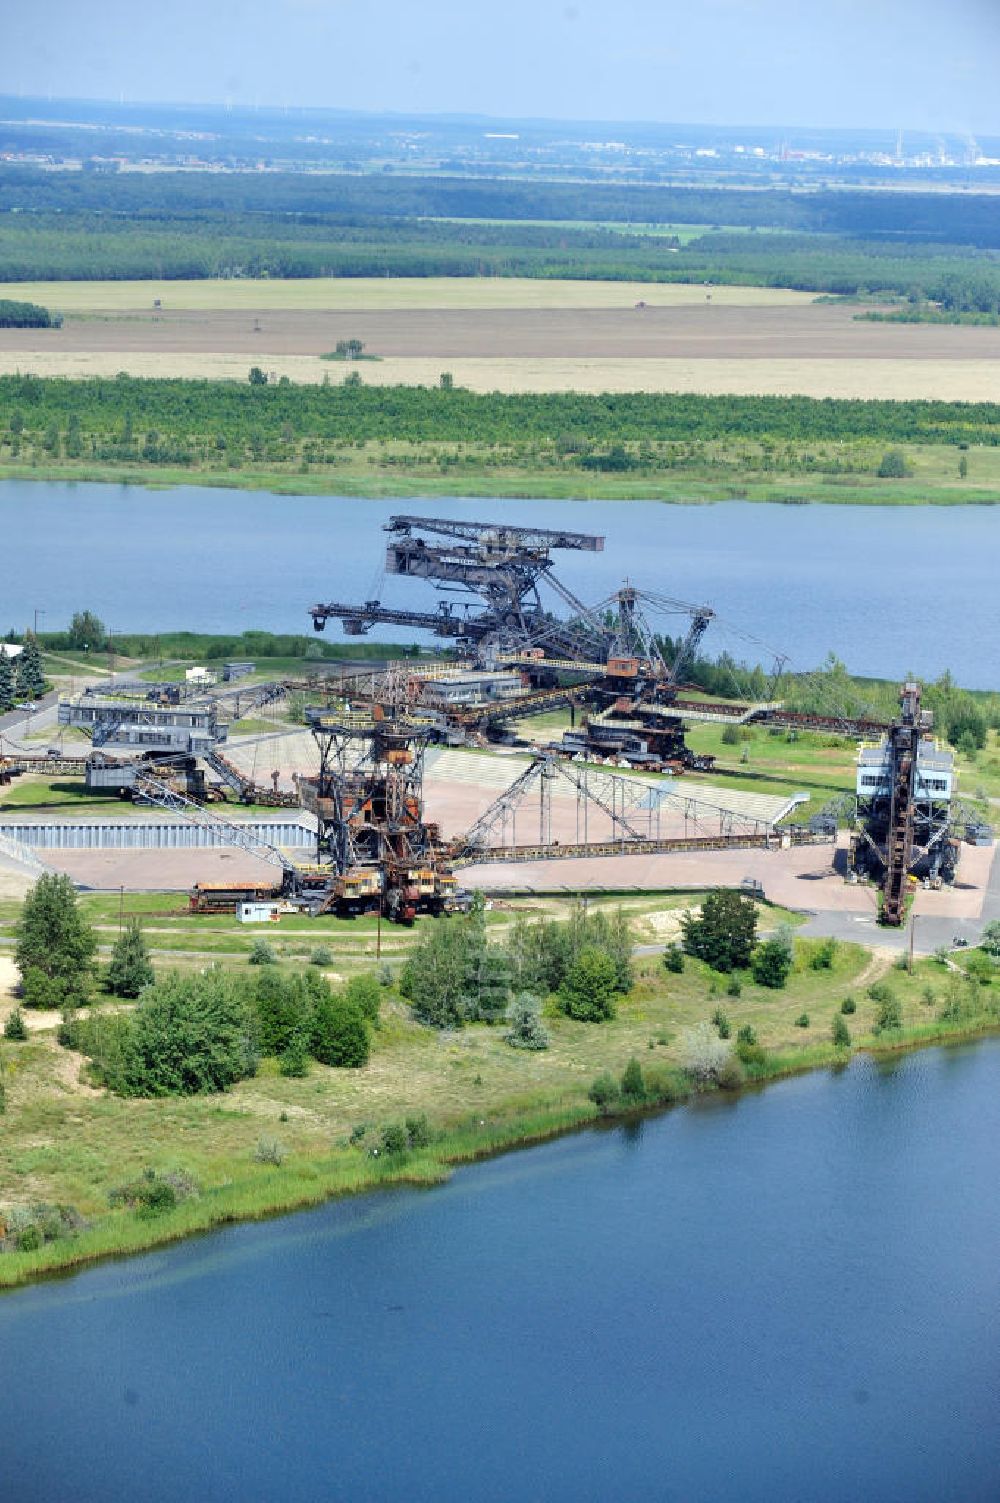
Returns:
(966,218)
(25,316)
(133,417)
(45,248)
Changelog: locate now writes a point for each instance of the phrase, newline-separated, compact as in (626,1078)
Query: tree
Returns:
(772,962)
(350,349)
(188,1035)
(130,970)
(990,941)
(284,1007)
(55,945)
(525,1028)
(257,377)
(30,675)
(723,933)
(441,967)
(6,682)
(588,990)
(840,1032)
(339,1034)
(87,632)
(892,465)
(15,1028)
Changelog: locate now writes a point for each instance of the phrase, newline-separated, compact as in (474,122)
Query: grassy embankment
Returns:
(61,1141)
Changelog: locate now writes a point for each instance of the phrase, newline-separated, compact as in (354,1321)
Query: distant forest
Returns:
(935,248)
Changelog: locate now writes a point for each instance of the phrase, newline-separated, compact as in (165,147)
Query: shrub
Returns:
(978,967)
(753,1058)
(892,465)
(633,1086)
(418,1133)
(673,959)
(15,1028)
(731,1075)
(889,1015)
(339,1034)
(802,1021)
(365,993)
(261,953)
(722,1023)
(150,1195)
(848,1006)
(746,1034)
(880,991)
(703,1053)
(734,988)
(588,990)
(394,1140)
(823,956)
(283,1006)
(294,1060)
(187,1035)
(269,1151)
(322,955)
(772,963)
(840,1032)
(731,735)
(385,975)
(603,1091)
(525,1027)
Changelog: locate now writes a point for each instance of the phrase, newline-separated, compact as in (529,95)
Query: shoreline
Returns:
(515,485)
(304,1183)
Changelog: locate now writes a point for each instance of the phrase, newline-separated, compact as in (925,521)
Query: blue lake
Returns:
(794,1295)
(891,590)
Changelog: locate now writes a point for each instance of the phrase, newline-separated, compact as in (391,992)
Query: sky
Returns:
(917,64)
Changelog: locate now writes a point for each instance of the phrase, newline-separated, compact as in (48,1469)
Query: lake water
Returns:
(790,1296)
(891,590)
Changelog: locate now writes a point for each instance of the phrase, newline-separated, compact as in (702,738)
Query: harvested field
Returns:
(385,292)
(499,335)
(705,332)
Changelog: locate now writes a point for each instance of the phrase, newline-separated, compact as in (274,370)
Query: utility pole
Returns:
(37,614)
(913,930)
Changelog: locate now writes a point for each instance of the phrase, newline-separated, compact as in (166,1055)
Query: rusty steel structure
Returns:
(904,813)
(368,802)
(495,571)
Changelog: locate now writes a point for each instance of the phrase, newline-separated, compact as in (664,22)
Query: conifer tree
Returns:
(6,681)
(30,674)
(130,969)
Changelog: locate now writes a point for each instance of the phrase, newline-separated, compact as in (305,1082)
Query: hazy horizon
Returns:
(755,64)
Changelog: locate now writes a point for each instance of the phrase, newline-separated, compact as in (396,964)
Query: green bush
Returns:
(339,1034)
(152,1194)
(525,1027)
(187,1035)
(130,970)
(746,1034)
(673,959)
(603,1091)
(772,964)
(261,953)
(394,1141)
(753,1057)
(841,1033)
(588,989)
(734,988)
(848,1006)
(892,465)
(732,1075)
(418,1133)
(15,1028)
(365,993)
(55,945)
(322,955)
(293,1062)
(802,1021)
(722,1023)
(889,1015)
(880,991)
(633,1087)
(822,957)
